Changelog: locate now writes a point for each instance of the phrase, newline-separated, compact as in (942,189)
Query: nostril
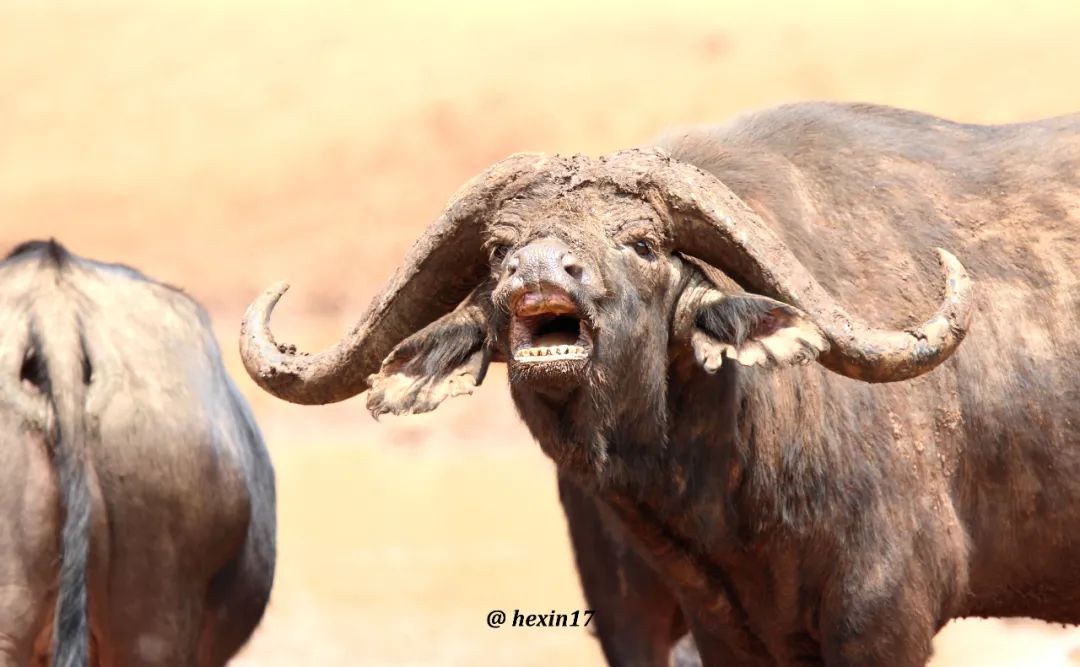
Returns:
(572,266)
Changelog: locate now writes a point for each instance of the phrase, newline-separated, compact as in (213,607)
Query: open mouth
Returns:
(547,327)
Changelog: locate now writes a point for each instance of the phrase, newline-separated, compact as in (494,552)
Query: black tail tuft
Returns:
(72,633)
(61,374)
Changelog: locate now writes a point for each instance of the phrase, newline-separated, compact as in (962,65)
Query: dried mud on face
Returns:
(224,147)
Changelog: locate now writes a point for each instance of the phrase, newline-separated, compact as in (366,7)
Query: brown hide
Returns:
(176,480)
(859,193)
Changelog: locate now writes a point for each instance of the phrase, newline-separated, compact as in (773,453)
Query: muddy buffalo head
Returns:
(587,277)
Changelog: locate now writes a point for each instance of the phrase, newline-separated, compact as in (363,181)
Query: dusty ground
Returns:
(222,146)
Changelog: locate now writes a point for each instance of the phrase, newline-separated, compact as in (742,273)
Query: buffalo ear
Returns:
(754,331)
(448,357)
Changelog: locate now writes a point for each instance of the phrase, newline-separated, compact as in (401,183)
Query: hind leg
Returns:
(23,616)
(238,594)
(155,626)
(236,600)
(162,614)
(29,526)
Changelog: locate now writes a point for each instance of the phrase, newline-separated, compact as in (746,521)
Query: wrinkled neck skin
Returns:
(668,462)
(657,432)
(669,448)
(646,412)
(743,494)
(610,430)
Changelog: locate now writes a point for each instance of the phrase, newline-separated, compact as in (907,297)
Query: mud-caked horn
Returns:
(442,267)
(711,223)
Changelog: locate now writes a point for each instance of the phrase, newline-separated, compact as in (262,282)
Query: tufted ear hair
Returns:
(727,323)
(754,331)
(448,357)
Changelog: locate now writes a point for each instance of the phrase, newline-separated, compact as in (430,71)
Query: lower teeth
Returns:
(550,353)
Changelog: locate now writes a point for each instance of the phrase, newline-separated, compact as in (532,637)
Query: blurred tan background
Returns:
(223,146)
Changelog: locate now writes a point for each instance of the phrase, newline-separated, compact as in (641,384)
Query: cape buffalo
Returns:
(136,495)
(656,307)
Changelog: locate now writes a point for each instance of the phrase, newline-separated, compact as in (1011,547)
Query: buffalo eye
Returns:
(498,253)
(642,248)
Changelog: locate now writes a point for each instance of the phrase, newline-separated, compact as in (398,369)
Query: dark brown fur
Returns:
(136,495)
(796,516)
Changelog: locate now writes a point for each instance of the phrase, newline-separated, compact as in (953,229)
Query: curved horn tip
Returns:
(275,292)
(262,358)
(957,282)
(260,309)
(950,264)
